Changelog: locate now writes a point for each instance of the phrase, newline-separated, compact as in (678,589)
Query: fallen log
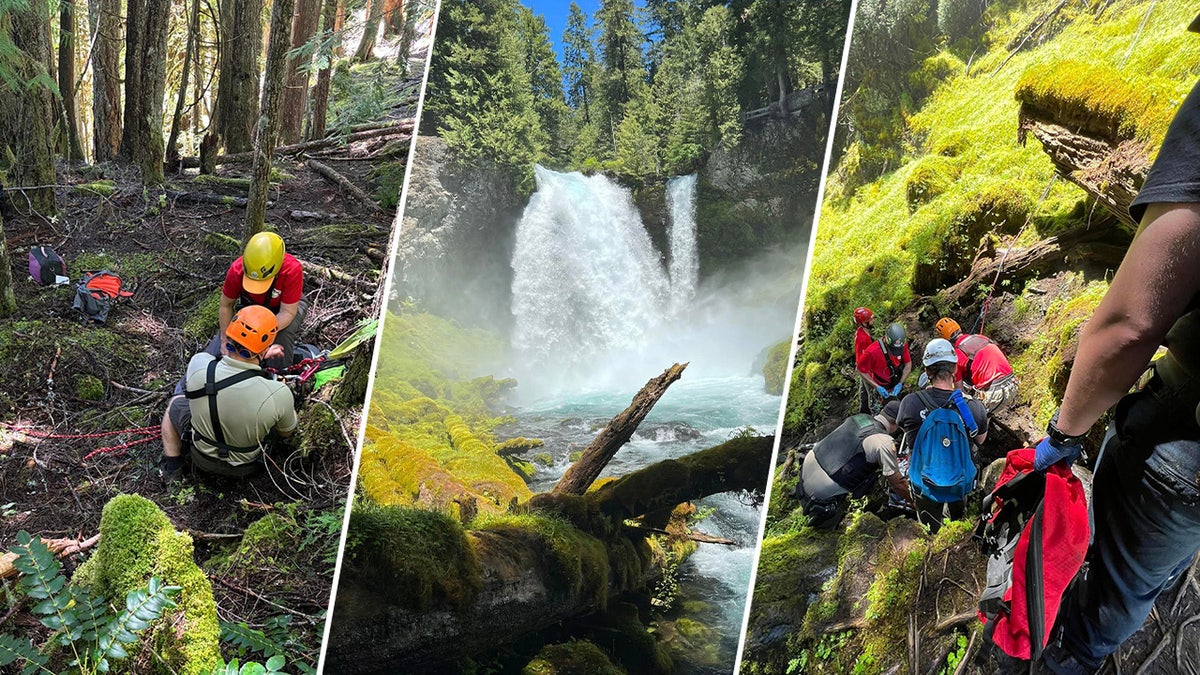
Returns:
(1081,243)
(334,274)
(580,476)
(508,579)
(402,127)
(344,184)
(206,198)
(698,537)
(59,547)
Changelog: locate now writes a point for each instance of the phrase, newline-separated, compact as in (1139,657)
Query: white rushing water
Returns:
(685,254)
(598,311)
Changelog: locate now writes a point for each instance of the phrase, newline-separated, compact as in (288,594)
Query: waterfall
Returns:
(587,280)
(685,261)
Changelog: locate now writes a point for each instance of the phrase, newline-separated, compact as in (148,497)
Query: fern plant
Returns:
(273,666)
(90,632)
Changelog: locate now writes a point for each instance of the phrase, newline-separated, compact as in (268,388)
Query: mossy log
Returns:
(1111,170)
(343,183)
(1104,245)
(580,476)
(419,593)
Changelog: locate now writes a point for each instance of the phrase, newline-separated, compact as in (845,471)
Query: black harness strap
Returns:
(895,369)
(245,300)
(211,387)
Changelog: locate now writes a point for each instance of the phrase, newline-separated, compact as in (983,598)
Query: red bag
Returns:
(1033,568)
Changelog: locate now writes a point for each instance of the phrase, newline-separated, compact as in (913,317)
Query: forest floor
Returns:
(62,374)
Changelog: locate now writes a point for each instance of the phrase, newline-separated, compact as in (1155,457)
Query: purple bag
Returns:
(45,265)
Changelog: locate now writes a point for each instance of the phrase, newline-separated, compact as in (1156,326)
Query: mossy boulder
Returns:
(571,658)
(775,369)
(268,543)
(319,431)
(205,319)
(931,176)
(138,542)
(543,459)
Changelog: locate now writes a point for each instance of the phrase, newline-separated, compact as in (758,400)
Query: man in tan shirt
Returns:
(231,407)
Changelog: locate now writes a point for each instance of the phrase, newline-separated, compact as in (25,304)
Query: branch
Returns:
(343,183)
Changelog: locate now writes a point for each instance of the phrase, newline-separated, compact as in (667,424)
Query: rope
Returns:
(1004,258)
(1138,34)
(119,447)
(99,434)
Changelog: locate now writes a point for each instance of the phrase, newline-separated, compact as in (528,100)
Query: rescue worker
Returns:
(864,320)
(885,363)
(1146,487)
(267,275)
(846,463)
(983,368)
(941,364)
(231,407)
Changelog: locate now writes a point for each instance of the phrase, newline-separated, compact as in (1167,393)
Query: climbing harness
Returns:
(211,386)
(151,433)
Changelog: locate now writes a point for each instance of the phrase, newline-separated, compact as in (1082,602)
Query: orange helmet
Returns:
(947,328)
(254,328)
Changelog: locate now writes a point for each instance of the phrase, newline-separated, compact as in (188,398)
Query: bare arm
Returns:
(287,312)
(907,370)
(1152,288)
(226,312)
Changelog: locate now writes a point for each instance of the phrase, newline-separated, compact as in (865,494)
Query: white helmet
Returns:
(939,350)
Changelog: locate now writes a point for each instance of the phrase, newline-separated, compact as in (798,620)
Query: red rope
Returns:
(120,447)
(99,434)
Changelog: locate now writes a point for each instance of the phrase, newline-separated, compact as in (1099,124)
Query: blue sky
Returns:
(556,12)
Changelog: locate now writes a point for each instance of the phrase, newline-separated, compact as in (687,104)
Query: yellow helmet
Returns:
(261,261)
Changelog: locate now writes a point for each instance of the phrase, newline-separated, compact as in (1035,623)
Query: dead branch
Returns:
(956,620)
(334,274)
(246,591)
(344,184)
(698,537)
(1167,638)
(401,127)
(59,547)
(205,198)
(580,476)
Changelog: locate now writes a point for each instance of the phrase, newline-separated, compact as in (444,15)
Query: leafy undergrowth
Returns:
(267,543)
(964,178)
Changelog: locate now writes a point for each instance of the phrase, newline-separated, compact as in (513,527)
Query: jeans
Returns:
(1146,506)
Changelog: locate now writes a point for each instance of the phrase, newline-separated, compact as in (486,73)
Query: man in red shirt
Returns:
(864,320)
(983,368)
(885,363)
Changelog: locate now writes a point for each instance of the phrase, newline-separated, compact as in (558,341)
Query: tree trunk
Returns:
(27,111)
(377,623)
(144,103)
(366,46)
(105,19)
(320,107)
(1109,168)
(393,17)
(134,26)
(66,77)
(296,75)
(580,476)
(189,54)
(237,87)
(8,300)
(339,24)
(268,117)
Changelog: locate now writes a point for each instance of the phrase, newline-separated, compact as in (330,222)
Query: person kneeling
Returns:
(847,462)
(231,407)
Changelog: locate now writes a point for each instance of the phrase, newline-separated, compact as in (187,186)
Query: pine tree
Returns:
(579,60)
(545,78)
(296,75)
(624,72)
(27,106)
(268,116)
(237,84)
(66,78)
(105,28)
(145,81)
(320,107)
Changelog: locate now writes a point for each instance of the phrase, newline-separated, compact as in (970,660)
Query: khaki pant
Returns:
(999,394)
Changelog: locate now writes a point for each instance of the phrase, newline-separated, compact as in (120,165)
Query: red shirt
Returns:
(988,364)
(288,289)
(862,340)
(872,362)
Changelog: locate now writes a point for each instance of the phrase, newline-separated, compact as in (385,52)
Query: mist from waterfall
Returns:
(596,307)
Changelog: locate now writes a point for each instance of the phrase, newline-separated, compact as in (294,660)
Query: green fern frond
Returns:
(142,607)
(13,650)
(273,666)
(244,637)
(42,580)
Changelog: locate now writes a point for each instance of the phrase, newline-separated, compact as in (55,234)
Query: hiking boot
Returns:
(170,469)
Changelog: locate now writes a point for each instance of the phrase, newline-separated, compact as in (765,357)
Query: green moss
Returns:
(223,181)
(580,560)
(128,265)
(137,541)
(89,388)
(543,459)
(205,318)
(519,445)
(419,558)
(319,431)
(775,369)
(931,176)
(223,243)
(103,188)
(387,178)
(571,658)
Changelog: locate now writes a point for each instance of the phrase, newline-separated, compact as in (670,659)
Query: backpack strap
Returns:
(1035,588)
(896,370)
(211,387)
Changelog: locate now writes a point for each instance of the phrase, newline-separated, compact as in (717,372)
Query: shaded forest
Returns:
(150,138)
(988,153)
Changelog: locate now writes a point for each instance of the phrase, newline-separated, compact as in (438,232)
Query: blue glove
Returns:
(896,392)
(964,410)
(1049,452)
(883,393)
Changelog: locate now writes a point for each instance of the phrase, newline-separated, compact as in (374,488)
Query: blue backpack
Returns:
(940,467)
